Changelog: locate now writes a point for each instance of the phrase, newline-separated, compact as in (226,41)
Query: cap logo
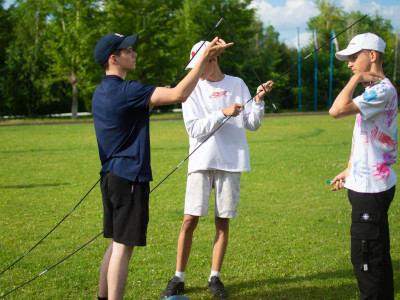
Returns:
(193,53)
(118,34)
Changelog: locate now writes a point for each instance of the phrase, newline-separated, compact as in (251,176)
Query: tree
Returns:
(168,30)
(25,65)
(73,30)
(48,45)
(154,22)
(5,39)
(332,17)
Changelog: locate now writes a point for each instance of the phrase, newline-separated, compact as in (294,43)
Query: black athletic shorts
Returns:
(126,209)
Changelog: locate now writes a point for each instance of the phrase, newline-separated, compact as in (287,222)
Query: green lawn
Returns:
(290,241)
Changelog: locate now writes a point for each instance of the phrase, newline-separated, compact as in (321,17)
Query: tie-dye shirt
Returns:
(374,147)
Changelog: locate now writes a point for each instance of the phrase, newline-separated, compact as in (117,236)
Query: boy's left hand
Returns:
(261,92)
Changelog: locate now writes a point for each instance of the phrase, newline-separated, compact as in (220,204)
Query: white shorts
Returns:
(226,190)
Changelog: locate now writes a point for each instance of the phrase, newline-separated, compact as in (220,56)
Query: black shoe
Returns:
(174,287)
(217,288)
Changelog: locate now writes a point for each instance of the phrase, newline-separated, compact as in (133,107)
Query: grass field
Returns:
(290,241)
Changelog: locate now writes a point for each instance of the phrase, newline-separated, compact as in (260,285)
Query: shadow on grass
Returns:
(31,186)
(301,287)
(311,134)
(52,150)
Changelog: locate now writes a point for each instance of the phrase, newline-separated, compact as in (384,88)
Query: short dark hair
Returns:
(106,66)
(379,55)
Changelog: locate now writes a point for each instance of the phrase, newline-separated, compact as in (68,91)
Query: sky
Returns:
(286,15)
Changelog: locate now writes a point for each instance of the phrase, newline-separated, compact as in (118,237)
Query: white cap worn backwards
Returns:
(197,55)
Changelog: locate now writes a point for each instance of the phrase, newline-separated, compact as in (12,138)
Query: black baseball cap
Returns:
(108,44)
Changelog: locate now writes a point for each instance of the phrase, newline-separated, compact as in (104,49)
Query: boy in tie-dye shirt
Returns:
(369,176)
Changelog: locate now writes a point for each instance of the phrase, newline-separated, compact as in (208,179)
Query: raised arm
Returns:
(179,94)
(343,105)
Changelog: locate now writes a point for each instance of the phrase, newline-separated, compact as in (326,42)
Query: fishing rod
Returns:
(42,273)
(295,65)
(99,179)
(183,70)
(242,51)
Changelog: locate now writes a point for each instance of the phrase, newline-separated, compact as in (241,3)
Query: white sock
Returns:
(214,273)
(181,276)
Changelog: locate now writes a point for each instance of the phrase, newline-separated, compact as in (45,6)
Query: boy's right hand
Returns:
(233,110)
(216,47)
(368,78)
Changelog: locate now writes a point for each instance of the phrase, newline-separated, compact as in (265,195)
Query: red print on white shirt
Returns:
(218,94)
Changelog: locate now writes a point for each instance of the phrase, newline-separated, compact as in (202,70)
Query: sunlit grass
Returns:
(290,241)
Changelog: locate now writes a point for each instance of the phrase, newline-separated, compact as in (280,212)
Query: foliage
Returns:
(71,34)
(5,39)
(48,49)
(25,71)
(333,17)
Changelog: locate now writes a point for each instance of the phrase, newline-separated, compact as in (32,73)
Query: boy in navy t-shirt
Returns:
(121,118)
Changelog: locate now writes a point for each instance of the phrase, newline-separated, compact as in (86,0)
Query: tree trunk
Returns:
(74,108)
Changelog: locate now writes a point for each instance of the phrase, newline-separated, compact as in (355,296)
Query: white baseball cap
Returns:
(367,41)
(197,55)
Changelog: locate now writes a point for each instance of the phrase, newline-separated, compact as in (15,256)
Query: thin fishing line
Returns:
(251,66)
(50,230)
(1,296)
(295,65)
(183,70)
(99,179)
(184,159)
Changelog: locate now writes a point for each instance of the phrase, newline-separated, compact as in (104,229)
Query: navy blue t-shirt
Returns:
(121,120)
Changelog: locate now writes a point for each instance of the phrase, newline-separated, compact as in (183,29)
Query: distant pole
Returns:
(298,65)
(395,58)
(330,73)
(315,70)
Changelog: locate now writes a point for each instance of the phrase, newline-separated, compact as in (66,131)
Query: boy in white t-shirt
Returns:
(217,164)
(369,177)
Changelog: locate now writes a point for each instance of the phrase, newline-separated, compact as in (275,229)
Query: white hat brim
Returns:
(345,53)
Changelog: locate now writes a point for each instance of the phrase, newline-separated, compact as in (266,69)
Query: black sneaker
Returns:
(174,287)
(217,288)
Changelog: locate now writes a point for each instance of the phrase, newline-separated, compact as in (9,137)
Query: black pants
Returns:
(370,244)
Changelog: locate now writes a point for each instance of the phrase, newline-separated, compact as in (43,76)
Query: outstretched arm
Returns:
(179,94)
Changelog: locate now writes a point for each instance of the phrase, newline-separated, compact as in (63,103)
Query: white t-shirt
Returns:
(227,148)
(374,147)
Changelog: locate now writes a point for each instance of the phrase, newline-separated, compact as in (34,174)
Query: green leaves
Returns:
(48,45)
